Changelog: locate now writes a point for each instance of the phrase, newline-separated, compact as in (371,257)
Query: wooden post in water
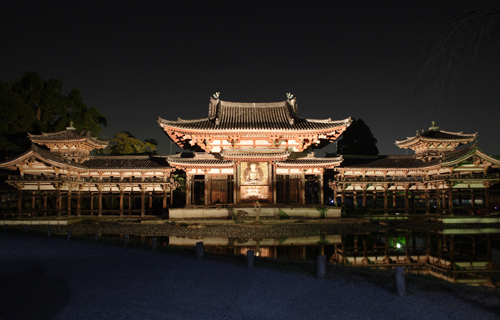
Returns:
(125,241)
(199,250)
(400,281)
(250,258)
(321,266)
(154,243)
(96,236)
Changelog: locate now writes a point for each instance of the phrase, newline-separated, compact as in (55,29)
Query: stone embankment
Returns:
(269,229)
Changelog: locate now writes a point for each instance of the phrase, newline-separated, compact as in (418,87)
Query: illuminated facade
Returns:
(68,181)
(248,152)
(438,178)
(254,159)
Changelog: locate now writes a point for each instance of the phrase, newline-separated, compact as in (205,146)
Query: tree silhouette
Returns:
(358,140)
(459,40)
(126,143)
(31,104)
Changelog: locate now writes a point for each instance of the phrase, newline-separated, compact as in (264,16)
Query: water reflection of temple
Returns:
(462,258)
(295,248)
(458,256)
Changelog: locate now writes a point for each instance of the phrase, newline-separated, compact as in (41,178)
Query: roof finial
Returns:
(70,126)
(434,127)
(216,95)
(289,95)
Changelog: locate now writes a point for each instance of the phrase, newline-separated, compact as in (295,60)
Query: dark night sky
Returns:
(139,60)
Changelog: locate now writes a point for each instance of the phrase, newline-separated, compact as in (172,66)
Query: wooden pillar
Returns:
(143,200)
(91,203)
(207,188)
(19,203)
(302,188)
(450,198)
(487,196)
(407,202)
(79,203)
(58,202)
(271,181)
(355,199)
(44,204)
(122,189)
(374,197)
(33,200)
(188,189)
(394,204)
(302,250)
(385,199)
(237,183)
(438,200)
(472,200)
(427,211)
(364,198)
(99,203)
(413,200)
(164,204)
(386,249)
(150,207)
(322,192)
(335,196)
(68,203)
(343,195)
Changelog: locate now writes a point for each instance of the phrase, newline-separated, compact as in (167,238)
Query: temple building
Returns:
(438,178)
(253,159)
(67,180)
(244,153)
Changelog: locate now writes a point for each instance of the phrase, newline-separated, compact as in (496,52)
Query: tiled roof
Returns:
(46,154)
(454,158)
(67,134)
(310,161)
(253,117)
(252,154)
(198,159)
(446,135)
(432,135)
(459,154)
(127,162)
(388,162)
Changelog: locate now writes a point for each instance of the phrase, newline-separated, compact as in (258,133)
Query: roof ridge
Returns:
(254,104)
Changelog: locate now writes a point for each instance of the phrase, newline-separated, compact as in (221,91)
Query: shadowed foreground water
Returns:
(52,278)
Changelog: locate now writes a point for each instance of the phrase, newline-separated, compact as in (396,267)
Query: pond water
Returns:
(468,256)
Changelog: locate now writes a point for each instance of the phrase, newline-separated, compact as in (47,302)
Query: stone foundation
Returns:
(265,212)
